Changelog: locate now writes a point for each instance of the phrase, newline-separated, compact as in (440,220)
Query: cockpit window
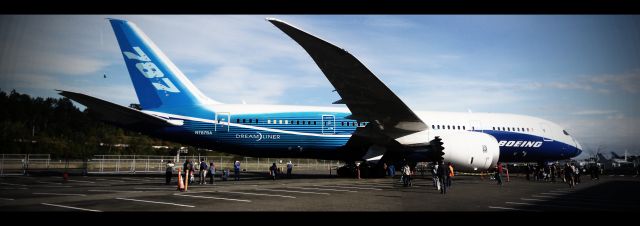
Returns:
(565,132)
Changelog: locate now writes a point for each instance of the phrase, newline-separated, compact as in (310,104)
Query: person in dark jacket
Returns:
(273,169)
(443,173)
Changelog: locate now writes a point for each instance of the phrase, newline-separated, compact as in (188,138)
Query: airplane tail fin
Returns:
(159,84)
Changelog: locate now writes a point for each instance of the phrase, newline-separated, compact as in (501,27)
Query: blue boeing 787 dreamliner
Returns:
(375,125)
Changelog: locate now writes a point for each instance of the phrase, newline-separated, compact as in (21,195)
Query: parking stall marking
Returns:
(111,191)
(259,194)
(211,197)
(521,203)
(83,181)
(302,192)
(333,186)
(320,189)
(46,193)
(147,201)
(504,208)
(70,207)
(10,184)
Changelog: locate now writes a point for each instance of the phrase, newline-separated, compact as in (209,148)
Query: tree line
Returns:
(55,126)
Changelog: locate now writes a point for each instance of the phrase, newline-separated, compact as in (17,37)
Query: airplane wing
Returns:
(116,114)
(365,95)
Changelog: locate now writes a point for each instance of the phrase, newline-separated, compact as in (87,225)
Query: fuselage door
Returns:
(475,125)
(222,122)
(546,133)
(328,124)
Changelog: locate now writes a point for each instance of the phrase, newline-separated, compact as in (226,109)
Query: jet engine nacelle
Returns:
(467,150)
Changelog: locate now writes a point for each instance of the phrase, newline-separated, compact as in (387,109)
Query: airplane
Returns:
(375,126)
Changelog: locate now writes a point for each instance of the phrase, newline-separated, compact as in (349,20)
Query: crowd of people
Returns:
(208,170)
(569,173)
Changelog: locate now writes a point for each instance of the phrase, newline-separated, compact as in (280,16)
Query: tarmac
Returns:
(308,192)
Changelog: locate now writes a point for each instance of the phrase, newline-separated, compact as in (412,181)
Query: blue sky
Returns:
(582,72)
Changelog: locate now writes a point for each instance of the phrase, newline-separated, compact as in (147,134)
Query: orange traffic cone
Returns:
(186,180)
(180,184)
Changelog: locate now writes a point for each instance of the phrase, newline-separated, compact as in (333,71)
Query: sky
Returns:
(579,71)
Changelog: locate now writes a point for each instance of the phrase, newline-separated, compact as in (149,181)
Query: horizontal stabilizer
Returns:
(116,114)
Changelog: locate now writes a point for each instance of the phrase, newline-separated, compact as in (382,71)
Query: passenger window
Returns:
(237,120)
(463,127)
(297,122)
(342,123)
(433,126)
(438,126)
(256,121)
(448,127)
(458,127)
(250,120)
(280,121)
(243,120)
(314,122)
(269,121)
(286,121)
(302,122)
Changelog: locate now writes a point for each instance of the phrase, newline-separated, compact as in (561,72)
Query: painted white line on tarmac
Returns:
(111,191)
(211,197)
(250,193)
(111,180)
(45,182)
(83,181)
(303,192)
(45,193)
(13,188)
(348,187)
(14,184)
(165,203)
(504,208)
(168,189)
(321,189)
(540,200)
(542,196)
(53,186)
(547,193)
(7,199)
(521,203)
(70,207)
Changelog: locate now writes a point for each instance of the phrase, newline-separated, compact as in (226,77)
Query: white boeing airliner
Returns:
(375,125)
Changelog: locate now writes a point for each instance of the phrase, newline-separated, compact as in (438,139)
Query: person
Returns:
(442,176)
(498,176)
(554,172)
(576,173)
(289,169)
(188,170)
(169,171)
(273,170)
(528,171)
(450,175)
(236,168)
(203,171)
(212,172)
(392,170)
(568,175)
(386,170)
(225,174)
(434,176)
(597,173)
(357,170)
(406,175)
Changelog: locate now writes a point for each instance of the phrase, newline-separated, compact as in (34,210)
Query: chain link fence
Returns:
(19,164)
